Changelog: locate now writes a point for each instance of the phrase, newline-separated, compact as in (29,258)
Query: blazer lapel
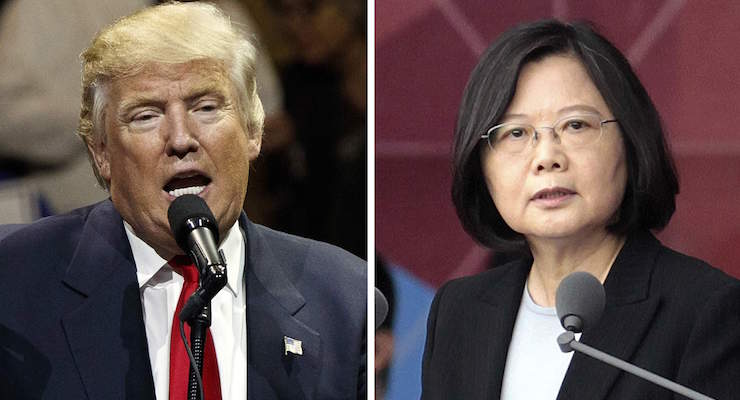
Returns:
(273,310)
(495,321)
(106,334)
(626,318)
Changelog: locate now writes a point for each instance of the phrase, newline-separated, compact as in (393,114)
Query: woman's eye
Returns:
(514,134)
(576,124)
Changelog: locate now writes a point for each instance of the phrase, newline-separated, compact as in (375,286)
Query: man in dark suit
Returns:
(170,108)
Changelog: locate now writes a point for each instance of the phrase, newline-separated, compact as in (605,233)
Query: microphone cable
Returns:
(193,364)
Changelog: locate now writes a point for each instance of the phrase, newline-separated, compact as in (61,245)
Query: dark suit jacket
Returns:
(71,325)
(6,230)
(666,312)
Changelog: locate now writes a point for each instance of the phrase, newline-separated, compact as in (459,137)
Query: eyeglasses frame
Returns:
(487,135)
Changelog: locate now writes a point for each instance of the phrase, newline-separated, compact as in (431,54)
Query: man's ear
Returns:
(254,144)
(99,151)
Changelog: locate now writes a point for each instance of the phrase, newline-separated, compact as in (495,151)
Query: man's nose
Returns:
(181,138)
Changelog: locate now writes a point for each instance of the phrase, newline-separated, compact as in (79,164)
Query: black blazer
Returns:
(71,324)
(669,313)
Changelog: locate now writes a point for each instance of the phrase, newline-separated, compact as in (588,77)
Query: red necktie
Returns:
(179,361)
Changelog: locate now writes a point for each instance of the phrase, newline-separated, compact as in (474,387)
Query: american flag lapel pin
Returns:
(293,346)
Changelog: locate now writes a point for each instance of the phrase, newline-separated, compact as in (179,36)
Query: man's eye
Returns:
(143,117)
(206,107)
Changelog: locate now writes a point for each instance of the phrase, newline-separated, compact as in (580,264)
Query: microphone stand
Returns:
(567,342)
(212,279)
(198,330)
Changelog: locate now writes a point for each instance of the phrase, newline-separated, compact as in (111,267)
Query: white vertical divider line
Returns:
(654,30)
(370,210)
(462,26)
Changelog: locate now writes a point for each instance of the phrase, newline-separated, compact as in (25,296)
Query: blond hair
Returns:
(171,33)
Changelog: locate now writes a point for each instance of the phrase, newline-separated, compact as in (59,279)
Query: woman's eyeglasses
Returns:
(573,131)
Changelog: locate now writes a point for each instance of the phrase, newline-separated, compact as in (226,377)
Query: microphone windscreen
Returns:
(187,210)
(381,308)
(582,295)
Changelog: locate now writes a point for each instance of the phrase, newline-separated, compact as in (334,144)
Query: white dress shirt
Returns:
(160,288)
(535,366)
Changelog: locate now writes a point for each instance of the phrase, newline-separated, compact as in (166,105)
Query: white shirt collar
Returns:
(149,263)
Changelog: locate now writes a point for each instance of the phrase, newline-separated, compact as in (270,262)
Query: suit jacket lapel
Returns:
(496,325)
(626,318)
(106,334)
(273,308)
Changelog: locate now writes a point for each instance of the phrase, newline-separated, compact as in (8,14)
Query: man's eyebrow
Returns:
(139,100)
(210,89)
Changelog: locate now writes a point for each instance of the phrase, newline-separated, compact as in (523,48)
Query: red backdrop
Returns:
(685,53)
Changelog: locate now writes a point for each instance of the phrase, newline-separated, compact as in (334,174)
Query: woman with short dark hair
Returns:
(560,155)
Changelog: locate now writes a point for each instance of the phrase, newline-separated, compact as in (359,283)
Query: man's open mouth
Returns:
(179,186)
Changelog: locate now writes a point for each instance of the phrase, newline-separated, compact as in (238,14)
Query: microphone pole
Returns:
(199,325)
(580,301)
(567,342)
(197,313)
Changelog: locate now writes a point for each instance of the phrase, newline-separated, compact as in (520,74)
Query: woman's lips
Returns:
(552,197)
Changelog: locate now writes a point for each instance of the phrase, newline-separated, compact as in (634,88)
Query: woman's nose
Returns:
(548,151)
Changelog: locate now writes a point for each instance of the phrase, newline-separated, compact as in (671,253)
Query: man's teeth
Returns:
(187,190)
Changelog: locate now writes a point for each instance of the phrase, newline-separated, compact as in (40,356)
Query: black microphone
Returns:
(195,230)
(381,308)
(579,302)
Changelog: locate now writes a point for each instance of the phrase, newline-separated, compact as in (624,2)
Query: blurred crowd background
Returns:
(310,179)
